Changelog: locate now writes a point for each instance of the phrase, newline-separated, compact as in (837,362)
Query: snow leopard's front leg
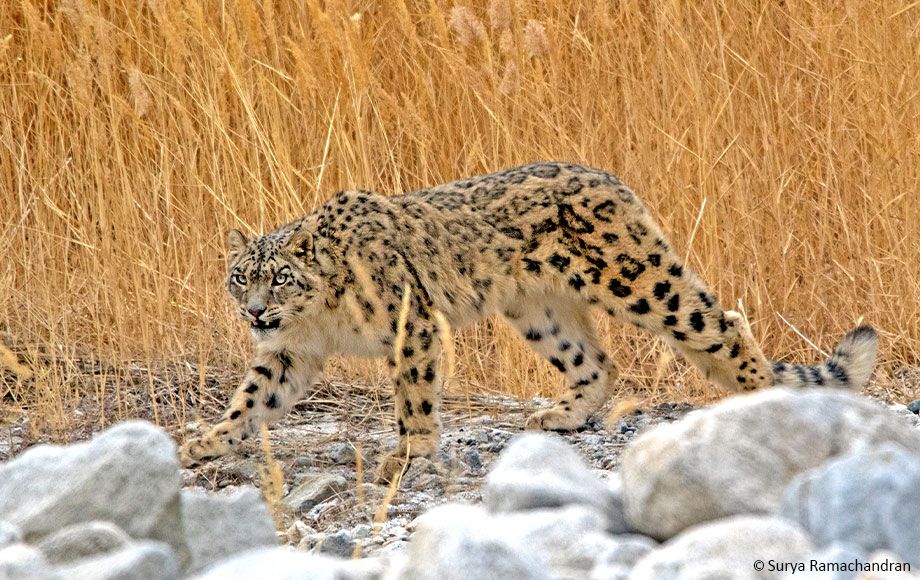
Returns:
(276,380)
(416,385)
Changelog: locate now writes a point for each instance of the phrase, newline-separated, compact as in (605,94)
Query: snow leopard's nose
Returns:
(256,312)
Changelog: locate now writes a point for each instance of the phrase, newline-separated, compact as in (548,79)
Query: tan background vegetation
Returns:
(777,142)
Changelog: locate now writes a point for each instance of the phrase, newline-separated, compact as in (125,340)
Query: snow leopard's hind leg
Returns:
(559,328)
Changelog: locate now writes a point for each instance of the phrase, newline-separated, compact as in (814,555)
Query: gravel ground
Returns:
(316,448)
(318,444)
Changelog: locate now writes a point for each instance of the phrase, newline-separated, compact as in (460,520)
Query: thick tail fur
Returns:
(848,367)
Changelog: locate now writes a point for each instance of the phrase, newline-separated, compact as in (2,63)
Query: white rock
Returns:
(610,572)
(285,564)
(621,556)
(220,526)
(82,540)
(738,456)
(9,534)
(339,544)
(22,562)
(297,531)
(870,499)
(140,561)
(128,475)
(456,542)
(569,540)
(314,489)
(726,549)
(362,531)
(539,470)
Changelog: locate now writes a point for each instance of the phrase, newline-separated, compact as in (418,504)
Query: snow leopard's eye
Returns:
(238,278)
(280,279)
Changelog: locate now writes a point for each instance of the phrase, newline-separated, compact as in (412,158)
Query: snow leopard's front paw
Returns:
(202,449)
(555,419)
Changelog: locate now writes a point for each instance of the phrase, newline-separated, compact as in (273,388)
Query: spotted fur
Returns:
(538,244)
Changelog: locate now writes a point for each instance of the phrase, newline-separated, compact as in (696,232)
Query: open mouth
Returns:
(265,325)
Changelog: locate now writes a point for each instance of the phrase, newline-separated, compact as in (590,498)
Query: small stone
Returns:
(187,478)
(297,531)
(396,547)
(338,544)
(494,446)
(473,459)
(447,460)
(362,531)
(314,489)
(82,540)
(342,454)
(422,474)
(590,440)
(914,406)
(193,428)
(304,462)
(398,532)
(247,470)
(308,542)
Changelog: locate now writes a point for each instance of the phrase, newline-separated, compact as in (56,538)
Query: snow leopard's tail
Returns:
(848,367)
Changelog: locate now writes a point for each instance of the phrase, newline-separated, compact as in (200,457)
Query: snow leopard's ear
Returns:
(301,245)
(236,243)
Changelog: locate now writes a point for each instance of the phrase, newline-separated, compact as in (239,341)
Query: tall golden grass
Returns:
(776,142)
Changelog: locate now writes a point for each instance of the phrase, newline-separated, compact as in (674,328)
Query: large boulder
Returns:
(569,540)
(22,562)
(128,475)
(220,526)
(616,561)
(136,561)
(539,470)
(83,540)
(456,542)
(869,499)
(738,456)
(741,547)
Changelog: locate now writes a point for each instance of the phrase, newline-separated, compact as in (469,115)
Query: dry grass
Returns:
(271,480)
(780,137)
